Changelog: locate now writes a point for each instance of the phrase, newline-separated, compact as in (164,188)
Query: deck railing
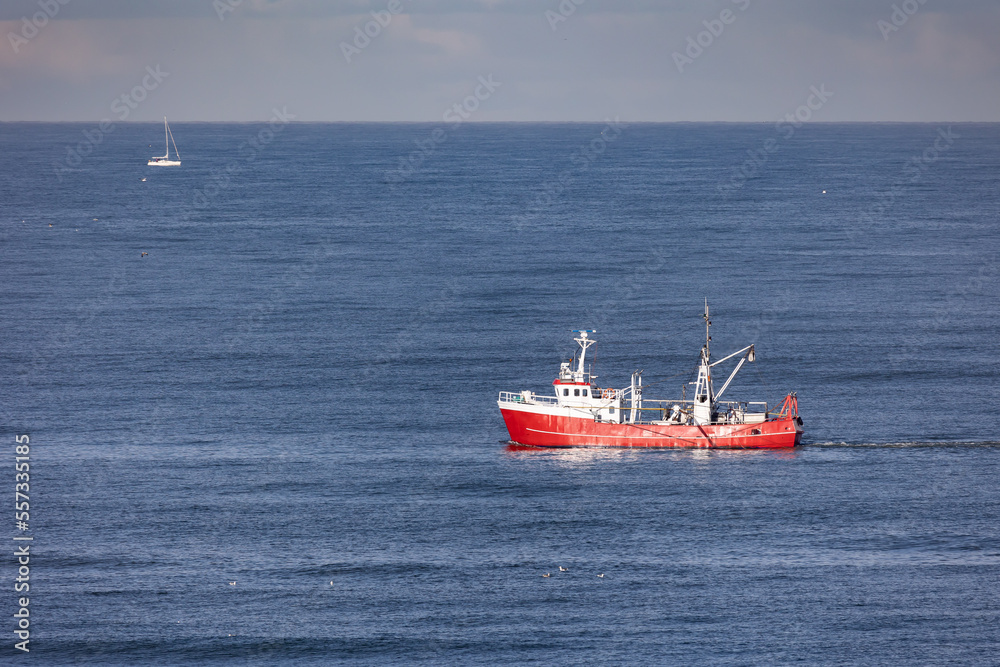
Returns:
(721,406)
(531,398)
(648,405)
(654,410)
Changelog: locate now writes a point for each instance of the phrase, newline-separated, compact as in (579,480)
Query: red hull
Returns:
(541,430)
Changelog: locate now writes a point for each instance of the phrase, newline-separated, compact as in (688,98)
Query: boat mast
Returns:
(708,323)
(703,395)
(176,152)
(584,344)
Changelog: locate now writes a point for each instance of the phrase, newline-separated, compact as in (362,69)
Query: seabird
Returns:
(563,569)
(232,583)
(547,574)
(600,576)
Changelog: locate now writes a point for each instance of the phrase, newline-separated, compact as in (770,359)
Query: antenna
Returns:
(584,343)
(708,323)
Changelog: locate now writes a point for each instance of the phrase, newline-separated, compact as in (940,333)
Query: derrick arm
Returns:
(748,355)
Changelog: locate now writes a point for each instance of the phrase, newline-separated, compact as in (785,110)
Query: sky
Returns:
(500,60)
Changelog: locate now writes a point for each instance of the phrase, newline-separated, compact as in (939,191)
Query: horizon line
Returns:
(522,122)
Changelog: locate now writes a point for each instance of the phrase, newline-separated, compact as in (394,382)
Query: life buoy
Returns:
(608,393)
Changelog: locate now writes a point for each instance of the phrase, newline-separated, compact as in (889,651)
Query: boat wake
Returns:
(903,444)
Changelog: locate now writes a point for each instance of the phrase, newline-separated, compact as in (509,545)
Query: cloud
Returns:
(606,59)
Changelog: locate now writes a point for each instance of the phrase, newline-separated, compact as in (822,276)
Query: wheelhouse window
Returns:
(565,392)
(584,392)
(576,392)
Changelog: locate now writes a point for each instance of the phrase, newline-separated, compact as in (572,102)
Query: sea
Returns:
(259,393)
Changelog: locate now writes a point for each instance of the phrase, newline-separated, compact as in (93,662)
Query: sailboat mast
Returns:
(176,152)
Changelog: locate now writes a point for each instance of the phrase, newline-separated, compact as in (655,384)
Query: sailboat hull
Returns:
(164,160)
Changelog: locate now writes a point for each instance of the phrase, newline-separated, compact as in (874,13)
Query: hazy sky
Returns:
(641,60)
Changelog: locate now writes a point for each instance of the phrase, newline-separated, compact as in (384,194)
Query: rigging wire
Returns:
(767,389)
(693,369)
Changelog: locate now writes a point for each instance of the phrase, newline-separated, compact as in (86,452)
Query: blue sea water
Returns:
(295,391)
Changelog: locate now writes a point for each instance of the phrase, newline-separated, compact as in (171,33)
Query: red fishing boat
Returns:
(582,414)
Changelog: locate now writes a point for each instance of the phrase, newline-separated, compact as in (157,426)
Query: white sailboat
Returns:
(165,161)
